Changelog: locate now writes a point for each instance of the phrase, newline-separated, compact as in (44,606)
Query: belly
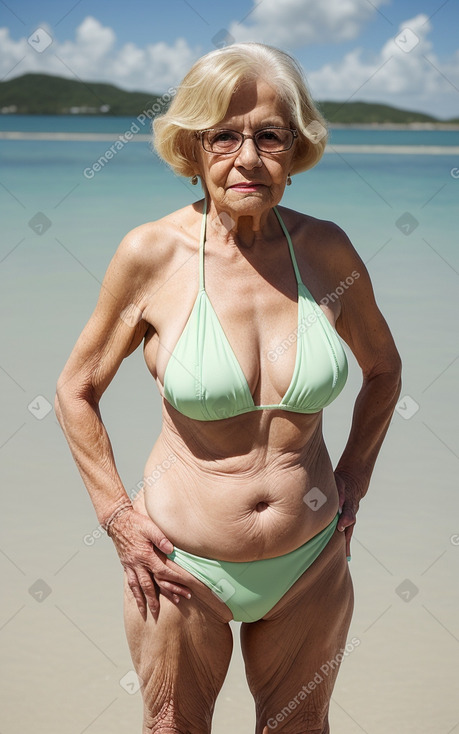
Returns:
(250,509)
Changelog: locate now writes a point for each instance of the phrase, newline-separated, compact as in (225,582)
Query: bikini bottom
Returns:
(252,588)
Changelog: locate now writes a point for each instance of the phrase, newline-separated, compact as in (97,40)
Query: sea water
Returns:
(66,661)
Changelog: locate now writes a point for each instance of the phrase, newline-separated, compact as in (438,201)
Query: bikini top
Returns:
(204,381)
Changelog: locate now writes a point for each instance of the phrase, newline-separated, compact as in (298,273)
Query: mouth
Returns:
(247,186)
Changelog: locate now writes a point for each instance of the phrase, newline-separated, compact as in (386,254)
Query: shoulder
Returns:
(323,240)
(154,245)
(314,230)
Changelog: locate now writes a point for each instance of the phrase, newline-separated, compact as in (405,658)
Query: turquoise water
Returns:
(339,136)
(59,231)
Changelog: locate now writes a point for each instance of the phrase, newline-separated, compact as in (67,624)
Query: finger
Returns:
(165,545)
(160,541)
(346,518)
(155,535)
(150,592)
(173,588)
(136,590)
(169,575)
(160,588)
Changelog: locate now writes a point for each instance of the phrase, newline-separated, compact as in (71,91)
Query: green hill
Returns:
(43,94)
(362,112)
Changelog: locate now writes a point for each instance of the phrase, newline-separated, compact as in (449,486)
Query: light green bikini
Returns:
(204,381)
(252,588)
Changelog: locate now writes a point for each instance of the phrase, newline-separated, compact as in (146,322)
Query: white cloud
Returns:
(94,38)
(413,78)
(293,23)
(93,56)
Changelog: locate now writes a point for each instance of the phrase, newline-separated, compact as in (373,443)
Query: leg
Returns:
(182,659)
(292,655)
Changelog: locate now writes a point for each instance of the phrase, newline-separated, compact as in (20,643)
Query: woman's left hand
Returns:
(349,499)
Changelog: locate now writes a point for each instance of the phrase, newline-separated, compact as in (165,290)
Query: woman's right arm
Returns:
(114,331)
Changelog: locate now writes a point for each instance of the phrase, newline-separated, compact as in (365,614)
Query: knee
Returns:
(293,719)
(171,718)
(295,728)
(170,727)
(165,730)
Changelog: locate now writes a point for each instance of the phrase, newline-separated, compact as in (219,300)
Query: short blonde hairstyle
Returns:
(203,98)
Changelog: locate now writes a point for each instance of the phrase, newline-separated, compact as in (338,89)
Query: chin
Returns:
(249,200)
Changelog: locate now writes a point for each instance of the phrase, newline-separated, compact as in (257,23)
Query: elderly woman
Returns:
(241,308)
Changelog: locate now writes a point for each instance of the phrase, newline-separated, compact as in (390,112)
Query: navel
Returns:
(261,506)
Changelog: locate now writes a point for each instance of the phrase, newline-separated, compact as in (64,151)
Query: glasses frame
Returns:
(200,133)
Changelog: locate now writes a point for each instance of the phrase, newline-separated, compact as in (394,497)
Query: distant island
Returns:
(367,113)
(43,94)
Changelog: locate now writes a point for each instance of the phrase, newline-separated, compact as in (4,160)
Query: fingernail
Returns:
(166,546)
(188,596)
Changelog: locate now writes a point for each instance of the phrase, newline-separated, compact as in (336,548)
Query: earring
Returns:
(289,180)
(194,180)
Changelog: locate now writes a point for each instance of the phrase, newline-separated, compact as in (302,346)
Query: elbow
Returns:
(397,373)
(70,397)
(58,400)
(394,386)
(392,366)
(57,408)
(388,372)
(397,385)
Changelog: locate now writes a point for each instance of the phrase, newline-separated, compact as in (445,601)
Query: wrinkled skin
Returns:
(236,488)
(182,652)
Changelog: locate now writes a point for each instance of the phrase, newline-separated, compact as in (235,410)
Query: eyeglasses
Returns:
(267,140)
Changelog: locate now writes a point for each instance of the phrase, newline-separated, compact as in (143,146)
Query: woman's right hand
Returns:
(142,548)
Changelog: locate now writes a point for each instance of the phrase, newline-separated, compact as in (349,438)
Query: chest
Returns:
(247,315)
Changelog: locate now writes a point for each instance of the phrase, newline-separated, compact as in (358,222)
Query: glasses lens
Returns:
(221,141)
(274,139)
(268,140)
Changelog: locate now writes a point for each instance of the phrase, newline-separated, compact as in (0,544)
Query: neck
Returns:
(243,229)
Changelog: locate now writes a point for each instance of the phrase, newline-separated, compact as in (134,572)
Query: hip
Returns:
(240,517)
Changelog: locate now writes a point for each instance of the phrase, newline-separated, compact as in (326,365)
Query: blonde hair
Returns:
(203,98)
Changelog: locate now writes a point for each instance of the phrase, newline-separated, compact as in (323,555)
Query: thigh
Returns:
(292,655)
(181,658)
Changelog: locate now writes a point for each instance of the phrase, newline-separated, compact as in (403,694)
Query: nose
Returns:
(248,156)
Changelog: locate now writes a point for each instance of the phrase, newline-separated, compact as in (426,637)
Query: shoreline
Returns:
(411,126)
(392,149)
(423,126)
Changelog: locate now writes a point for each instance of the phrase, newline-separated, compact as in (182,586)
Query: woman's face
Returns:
(248,181)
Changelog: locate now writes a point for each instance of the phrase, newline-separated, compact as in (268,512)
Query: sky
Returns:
(399,52)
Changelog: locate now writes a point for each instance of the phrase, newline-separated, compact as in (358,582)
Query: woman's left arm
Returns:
(364,329)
